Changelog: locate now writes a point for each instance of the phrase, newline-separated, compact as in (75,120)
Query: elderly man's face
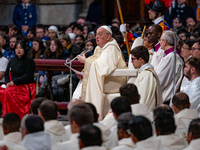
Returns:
(102,37)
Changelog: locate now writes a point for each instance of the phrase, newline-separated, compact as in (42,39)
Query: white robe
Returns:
(172,142)
(99,82)
(183,119)
(94,148)
(13,141)
(157,57)
(125,144)
(151,143)
(194,145)
(1,129)
(193,91)
(148,86)
(56,131)
(165,74)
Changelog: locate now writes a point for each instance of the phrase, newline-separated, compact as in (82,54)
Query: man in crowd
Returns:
(192,73)
(195,50)
(107,57)
(147,81)
(10,53)
(165,68)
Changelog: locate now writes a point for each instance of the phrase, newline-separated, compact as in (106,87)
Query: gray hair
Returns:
(169,37)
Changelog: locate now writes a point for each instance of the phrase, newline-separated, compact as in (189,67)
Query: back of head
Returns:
(194,128)
(140,127)
(181,100)
(36,104)
(123,121)
(194,62)
(165,124)
(94,110)
(169,37)
(130,91)
(141,52)
(162,108)
(158,28)
(81,114)
(34,124)
(120,105)
(49,110)
(90,135)
(11,122)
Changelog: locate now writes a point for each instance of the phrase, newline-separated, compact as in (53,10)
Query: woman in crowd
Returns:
(19,80)
(66,43)
(37,50)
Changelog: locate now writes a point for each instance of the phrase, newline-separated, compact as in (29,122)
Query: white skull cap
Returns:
(107,28)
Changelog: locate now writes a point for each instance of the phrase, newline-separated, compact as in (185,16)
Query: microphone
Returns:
(83,52)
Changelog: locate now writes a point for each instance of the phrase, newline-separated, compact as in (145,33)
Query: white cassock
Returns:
(148,86)
(56,131)
(13,141)
(185,83)
(172,142)
(165,74)
(94,148)
(151,143)
(183,119)
(109,121)
(109,139)
(194,145)
(72,144)
(125,144)
(96,81)
(193,91)
(151,52)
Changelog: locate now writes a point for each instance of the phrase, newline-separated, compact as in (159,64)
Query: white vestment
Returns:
(56,131)
(96,81)
(72,144)
(183,119)
(109,139)
(148,86)
(1,129)
(151,143)
(185,83)
(157,57)
(94,148)
(151,52)
(165,74)
(172,142)
(13,141)
(194,145)
(193,91)
(125,144)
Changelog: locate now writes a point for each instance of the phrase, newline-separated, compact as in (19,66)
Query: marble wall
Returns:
(58,12)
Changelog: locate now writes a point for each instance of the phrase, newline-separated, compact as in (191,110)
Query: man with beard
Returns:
(192,73)
(10,53)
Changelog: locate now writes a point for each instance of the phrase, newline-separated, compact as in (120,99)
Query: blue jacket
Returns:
(24,17)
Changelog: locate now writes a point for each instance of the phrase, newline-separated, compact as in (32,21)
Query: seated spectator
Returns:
(142,134)
(35,138)
(66,43)
(40,32)
(37,50)
(193,136)
(79,38)
(10,52)
(79,115)
(12,138)
(89,43)
(195,50)
(90,138)
(31,33)
(48,111)
(53,32)
(19,80)
(77,29)
(12,30)
(165,131)
(184,115)
(124,137)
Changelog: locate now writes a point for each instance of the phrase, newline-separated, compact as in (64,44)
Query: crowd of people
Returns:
(159,111)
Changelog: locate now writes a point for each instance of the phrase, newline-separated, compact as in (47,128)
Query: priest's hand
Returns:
(81,58)
(10,84)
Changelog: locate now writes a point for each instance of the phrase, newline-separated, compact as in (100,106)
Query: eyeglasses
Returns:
(133,58)
(193,48)
(184,47)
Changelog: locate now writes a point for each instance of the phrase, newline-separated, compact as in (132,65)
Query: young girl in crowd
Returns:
(37,50)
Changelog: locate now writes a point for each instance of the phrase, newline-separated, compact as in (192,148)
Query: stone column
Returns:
(86,4)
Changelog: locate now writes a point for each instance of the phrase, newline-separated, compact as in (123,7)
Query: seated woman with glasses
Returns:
(19,79)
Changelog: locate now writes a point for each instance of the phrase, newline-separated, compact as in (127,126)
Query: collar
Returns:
(171,50)
(147,65)
(188,58)
(181,6)
(25,5)
(159,19)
